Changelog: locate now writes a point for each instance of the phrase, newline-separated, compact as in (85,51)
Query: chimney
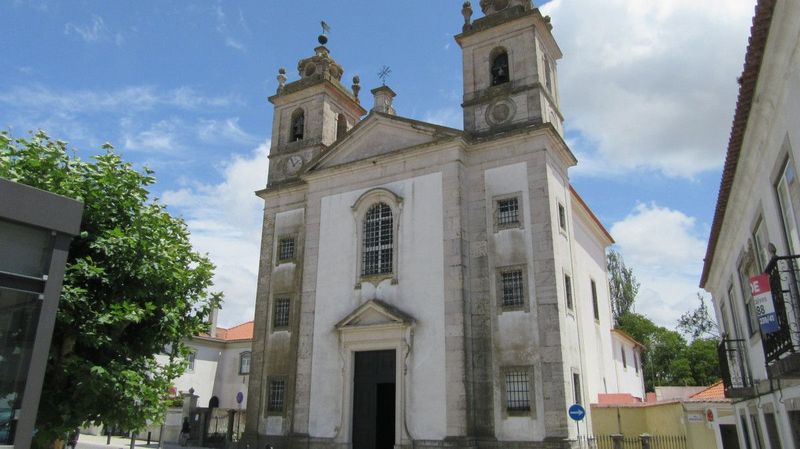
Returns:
(212,320)
(383,99)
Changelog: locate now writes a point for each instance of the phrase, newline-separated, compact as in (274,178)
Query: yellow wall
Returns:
(657,419)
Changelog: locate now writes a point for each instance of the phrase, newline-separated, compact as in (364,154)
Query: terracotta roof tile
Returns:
(752,66)
(716,391)
(243,331)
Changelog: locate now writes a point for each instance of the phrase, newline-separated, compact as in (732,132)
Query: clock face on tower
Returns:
(293,164)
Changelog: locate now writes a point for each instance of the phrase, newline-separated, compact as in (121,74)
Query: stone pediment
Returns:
(375,313)
(379,134)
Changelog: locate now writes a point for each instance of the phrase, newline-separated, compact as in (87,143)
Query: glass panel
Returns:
(19,318)
(23,249)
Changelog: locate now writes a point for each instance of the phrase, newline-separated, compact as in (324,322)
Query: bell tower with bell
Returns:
(509,68)
(311,113)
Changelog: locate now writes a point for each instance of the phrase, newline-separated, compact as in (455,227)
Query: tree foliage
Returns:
(667,358)
(698,323)
(622,283)
(133,285)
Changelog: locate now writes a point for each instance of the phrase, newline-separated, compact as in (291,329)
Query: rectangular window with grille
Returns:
(562,217)
(517,391)
(277,390)
(513,288)
(508,212)
(568,291)
(286,249)
(281,315)
(378,240)
(595,306)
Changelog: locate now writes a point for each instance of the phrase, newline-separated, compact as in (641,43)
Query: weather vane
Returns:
(325,27)
(384,73)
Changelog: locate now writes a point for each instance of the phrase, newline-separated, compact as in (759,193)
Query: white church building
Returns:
(422,286)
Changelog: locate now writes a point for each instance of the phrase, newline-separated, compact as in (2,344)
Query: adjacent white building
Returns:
(219,367)
(755,231)
(422,286)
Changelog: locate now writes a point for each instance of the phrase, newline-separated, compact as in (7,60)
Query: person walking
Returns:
(186,429)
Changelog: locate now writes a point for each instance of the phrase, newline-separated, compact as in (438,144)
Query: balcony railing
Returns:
(782,347)
(733,367)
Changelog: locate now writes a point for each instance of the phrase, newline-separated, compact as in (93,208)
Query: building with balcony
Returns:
(751,265)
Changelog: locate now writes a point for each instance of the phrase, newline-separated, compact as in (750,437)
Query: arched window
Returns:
(499,67)
(244,363)
(298,125)
(341,126)
(213,402)
(378,240)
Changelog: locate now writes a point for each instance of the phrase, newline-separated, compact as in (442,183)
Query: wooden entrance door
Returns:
(374,400)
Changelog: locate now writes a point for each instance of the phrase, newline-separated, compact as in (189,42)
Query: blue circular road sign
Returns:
(577,412)
(239,397)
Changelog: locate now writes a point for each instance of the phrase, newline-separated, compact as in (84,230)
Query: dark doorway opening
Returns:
(730,440)
(374,400)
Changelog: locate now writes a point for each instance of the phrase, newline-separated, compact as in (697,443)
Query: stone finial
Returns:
(383,100)
(466,11)
(356,87)
(281,79)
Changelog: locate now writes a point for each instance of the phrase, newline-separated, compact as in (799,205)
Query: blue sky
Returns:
(648,90)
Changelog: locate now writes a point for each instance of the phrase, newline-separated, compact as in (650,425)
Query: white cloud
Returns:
(95,32)
(161,137)
(126,99)
(225,222)
(665,248)
(222,29)
(654,86)
(226,131)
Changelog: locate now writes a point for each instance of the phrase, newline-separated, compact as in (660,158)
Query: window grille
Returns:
(190,358)
(595,306)
(508,211)
(513,291)
(244,363)
(276,394)
(562,217)
(378,240)
(281,315)
(517,391)
(286,249)
(568,290)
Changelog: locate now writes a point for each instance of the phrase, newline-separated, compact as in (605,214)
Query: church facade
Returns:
(423,286)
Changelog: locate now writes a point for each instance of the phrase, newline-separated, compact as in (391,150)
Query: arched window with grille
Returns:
(499,68)
(378,249)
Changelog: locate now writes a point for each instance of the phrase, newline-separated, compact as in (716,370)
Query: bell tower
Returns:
(509,68)
(310,114)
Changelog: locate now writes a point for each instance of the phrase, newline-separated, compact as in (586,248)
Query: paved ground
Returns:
(99,442)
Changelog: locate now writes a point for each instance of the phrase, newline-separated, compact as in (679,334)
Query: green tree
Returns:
(622,283)
(698,323)
(133,286)
(667,358)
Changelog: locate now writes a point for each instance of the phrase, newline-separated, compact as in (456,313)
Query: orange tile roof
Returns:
(716,391)
(243,331)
